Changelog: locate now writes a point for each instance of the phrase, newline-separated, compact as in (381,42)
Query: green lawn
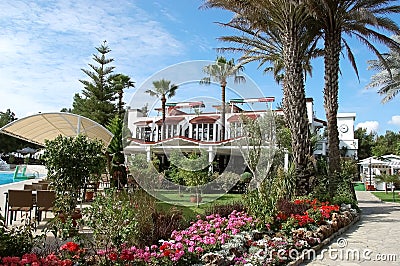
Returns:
(190,210)
(359,186)
(387,196)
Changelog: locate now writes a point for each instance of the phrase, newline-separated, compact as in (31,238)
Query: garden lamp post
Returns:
(370,175)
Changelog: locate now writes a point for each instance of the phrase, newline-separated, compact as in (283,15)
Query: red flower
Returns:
(281,216)
(67,262)
(113,256)
(70,246)
(166,252)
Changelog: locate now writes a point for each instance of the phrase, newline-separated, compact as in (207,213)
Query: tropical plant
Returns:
(163,89)
(356,18)
(257,146)
(70,161)
(220,71)
(116,146)
(98,94)
(388,81)
(120,82)
(287,25)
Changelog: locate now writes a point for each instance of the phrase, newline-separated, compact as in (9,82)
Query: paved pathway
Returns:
(374,240)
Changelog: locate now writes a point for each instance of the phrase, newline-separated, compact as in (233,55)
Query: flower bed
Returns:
(238,239)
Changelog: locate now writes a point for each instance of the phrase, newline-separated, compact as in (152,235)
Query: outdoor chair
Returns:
(44,202)
(45,186)
(37,186)
(19,200)
(27,187)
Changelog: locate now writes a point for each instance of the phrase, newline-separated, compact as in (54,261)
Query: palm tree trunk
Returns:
(332,57)
(295,110)
(163,101)
(223,109)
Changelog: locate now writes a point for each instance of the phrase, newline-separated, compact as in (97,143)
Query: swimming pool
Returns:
(8,177)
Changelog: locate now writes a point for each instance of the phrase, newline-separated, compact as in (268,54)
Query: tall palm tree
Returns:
(265,48)
(290,21)
(388,81)
(163,89)
(220,71)
(119,83)
(354,18)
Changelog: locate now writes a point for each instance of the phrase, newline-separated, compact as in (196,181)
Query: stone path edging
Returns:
(324,242)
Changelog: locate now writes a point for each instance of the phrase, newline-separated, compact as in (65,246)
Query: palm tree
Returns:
(265,48)
(354,18)
(290,21)
(389,81)
(163,89)
(220,71)
(119,83)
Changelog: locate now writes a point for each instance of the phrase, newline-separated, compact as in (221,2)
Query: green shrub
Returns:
(122,218)
(15,240)
(224,209)
(278,185)
(70,161)
(164,223)
(113,219)
(288,207)
(344,195)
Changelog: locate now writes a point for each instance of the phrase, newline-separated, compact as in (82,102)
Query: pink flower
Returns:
(199,249)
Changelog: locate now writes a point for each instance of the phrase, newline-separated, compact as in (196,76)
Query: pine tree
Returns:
(98,95)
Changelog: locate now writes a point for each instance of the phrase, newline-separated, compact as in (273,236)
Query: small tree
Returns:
(258,146)
(193,169)
(70,161)
(391,179)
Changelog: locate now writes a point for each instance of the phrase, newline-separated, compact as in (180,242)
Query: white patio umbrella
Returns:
(39,127)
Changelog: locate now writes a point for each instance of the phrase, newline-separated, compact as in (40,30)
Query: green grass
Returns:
(388,197)
(190,210)
(359,186)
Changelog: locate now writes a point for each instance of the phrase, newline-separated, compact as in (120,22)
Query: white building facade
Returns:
(188,129)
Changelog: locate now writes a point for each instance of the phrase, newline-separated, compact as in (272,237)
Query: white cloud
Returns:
(395,120)
(44,45)
(370,126)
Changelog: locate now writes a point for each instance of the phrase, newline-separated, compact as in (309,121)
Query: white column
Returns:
(323,148)
(210,158)
(214,132)
(148,153)
(190,130)
(286,162)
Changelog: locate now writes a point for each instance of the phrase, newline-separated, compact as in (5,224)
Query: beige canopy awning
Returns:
(39,127)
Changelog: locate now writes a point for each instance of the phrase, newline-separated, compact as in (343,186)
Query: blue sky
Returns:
(45,44)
